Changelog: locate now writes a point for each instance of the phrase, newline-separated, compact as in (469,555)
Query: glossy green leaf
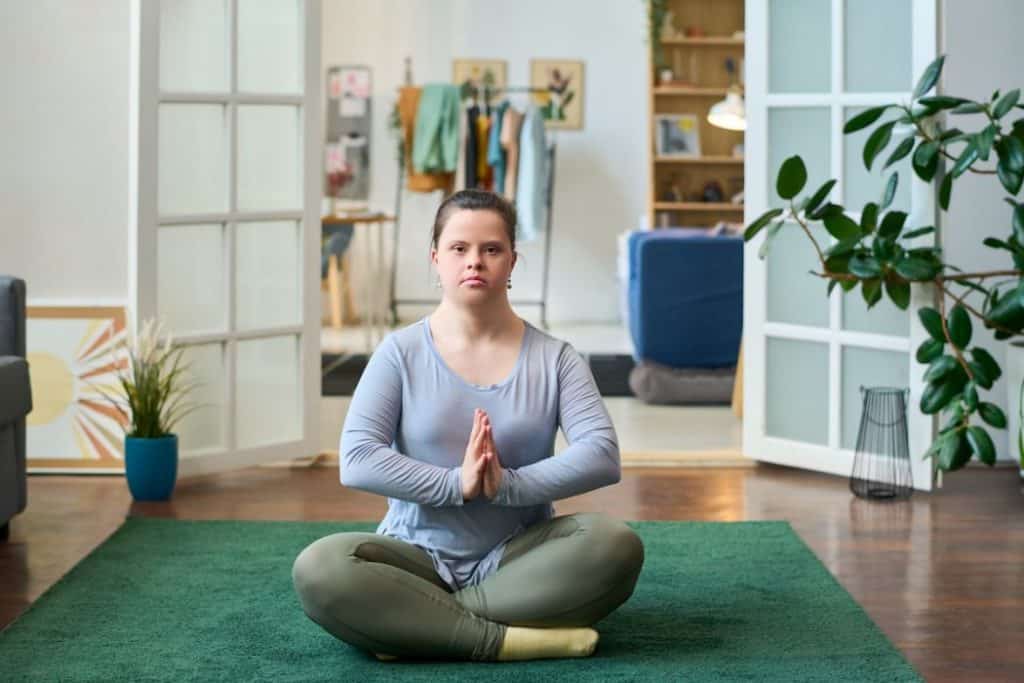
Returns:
(917,232)
(865,266)
(932,323)
(959,324)
(929,350)
(985,360)
(1018,223)
(981,445)
(792,177)
(981,377)
(889,192)
(1005,103)
(902,150)
(971,397)
(1013,152)
(942,101)
(992,414)
(892,224)
(864,119)
(842,227)
(899,292)
(761,221)
(945,190)
(936,396)
(939,368)
(930,77)
(916,269)
(876,142)
(926,160)
(969,108)
(871,289)
(967,157)
(868,218)
(1010,180)
(818,197)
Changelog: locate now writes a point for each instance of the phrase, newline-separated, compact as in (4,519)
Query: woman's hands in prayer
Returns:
(493,473)
(481,470)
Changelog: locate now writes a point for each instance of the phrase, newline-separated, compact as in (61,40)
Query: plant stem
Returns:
(945,331)
(961,300)
(803,224)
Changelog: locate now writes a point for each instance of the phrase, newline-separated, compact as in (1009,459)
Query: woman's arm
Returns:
(592,458)
(367,462)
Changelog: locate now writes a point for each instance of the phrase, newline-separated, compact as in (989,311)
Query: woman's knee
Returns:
(615,545)
(322,572)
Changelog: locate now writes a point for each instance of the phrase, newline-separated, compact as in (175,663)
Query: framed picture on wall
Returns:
(476,73)
(676,135)
(562,102)
(75,354)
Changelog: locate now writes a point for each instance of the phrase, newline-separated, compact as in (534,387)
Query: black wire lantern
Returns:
(881,464)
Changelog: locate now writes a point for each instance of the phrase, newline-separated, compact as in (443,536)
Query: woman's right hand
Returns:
(474,464)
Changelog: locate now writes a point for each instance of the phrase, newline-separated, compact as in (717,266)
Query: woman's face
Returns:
(474,258)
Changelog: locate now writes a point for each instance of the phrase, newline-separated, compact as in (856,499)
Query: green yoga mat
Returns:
(213,600)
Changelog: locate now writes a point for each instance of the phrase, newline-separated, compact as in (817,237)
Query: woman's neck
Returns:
(476,324)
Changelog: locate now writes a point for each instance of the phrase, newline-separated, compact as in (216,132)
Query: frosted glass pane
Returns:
(868,368)
(803,131)
(797,390)
(267,268)
(861,186)
(799,46)
(883,318)
(192,159)
(193,46)
(269,46)
(190,278)
(878,40)
(204,427)
(269,174)
(794,295)
(268,400)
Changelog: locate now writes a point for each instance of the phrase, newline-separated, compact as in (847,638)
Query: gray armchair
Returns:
(15,401)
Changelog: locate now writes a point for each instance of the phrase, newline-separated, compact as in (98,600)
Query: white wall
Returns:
(601,174)
(64,142)
(981,39)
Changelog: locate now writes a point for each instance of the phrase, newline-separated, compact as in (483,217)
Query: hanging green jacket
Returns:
(435,144)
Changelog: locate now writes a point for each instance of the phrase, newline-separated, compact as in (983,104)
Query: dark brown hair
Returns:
(476,200)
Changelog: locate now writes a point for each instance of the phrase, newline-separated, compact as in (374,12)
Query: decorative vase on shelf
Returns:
(1015,402)
(151,466)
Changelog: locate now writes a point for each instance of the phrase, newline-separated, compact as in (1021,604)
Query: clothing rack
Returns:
(548,201)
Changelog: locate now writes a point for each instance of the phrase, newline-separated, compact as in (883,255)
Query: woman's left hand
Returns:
(493,472)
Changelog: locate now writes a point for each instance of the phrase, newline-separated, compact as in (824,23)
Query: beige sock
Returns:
(547,643)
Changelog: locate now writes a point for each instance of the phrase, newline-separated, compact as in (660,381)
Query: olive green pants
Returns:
(383,595)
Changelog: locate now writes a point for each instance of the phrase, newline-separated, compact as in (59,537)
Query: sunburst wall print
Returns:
(74,356)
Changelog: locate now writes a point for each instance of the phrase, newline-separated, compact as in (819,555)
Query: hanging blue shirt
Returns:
(532,183)
(406,432)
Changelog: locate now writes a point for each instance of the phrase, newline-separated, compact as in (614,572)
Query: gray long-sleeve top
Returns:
(406,432)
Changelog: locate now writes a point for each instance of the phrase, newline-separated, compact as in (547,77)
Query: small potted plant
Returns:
(153,400)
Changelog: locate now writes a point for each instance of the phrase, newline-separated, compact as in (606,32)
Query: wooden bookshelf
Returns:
(700,80)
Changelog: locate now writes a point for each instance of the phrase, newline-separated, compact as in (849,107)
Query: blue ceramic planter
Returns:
(151,466)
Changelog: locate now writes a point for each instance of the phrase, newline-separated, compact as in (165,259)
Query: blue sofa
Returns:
(685,310)
(15,401)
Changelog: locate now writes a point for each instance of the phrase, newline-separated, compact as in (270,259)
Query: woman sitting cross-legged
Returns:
(454,420)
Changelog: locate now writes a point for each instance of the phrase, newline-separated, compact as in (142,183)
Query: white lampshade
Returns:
(730,113)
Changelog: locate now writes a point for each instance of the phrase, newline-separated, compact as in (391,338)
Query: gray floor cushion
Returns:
(656,383)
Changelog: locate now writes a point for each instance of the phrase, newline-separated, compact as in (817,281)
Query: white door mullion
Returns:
(231,344)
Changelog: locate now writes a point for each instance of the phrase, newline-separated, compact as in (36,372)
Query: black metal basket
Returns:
(881,464)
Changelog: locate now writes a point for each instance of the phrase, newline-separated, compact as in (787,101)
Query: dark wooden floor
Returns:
(943,575)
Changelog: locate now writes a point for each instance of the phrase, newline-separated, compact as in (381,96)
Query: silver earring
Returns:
(508,284)
(437,283)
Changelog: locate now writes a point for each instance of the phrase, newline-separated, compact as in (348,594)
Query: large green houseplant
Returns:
(883,255)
